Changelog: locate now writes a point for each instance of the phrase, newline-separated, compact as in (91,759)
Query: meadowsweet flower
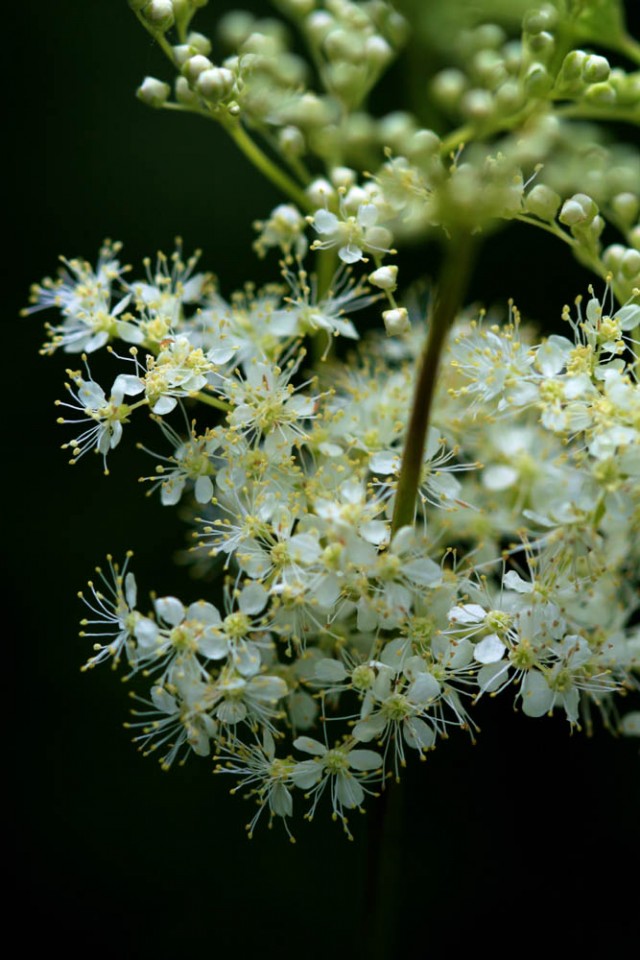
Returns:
(343,769)
(106,414)
(352,234)
(85,297)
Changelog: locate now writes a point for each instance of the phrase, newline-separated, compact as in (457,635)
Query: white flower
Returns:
(353,235)
(106,414)
(345,769)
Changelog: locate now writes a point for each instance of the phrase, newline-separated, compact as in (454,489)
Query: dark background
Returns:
(529,829)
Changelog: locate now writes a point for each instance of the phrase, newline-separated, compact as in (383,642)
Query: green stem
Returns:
(266,166)
(455,274)
(327,261)
(630,48)
(212,401)
(159,37)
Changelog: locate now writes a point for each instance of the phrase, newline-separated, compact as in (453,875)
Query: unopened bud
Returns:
(344,177)
(377,51)
(215,84)
(626,206)
(291,141)
(537,80)
(578,209)
(320,192)
(200,43)
(385,278)
(542,202)
(194,66)
(396,321)
(160,14)
(573,65)
(153,92)
(631,264)
(596,69)
(543,18)
(601,93)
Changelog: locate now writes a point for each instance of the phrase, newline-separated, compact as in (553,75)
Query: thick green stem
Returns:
(451,289)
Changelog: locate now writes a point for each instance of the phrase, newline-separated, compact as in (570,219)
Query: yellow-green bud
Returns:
(235,27)
(601,93)
(537,80)
(200,43)
(448,86)
(631,264)
(596,69)
(542,202)
(626,206)
(291,141)
(542,18)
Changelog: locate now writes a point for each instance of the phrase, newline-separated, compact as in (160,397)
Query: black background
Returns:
(529,830)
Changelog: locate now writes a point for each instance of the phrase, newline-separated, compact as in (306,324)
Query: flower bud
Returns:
(215,84)
(195,66)
(542,202)
(601,93)
(596,69)
(235,27)
(200,43)
(423,144)
(318,25)
(477,104)
(578,209)
(634,237)
(385,278)
(341,44)
(320,192)
(396,321)
(542,18)
(297,8)
(448,86)
(184,93)
(626,206)
(543,45)
(630,265)
(509,97)
(612,256)
(291,141)
(153,92)
(573,65)
(537,80)
(160,14)
(377,51)
(344,177)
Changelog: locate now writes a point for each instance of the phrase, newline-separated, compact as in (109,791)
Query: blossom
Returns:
(352,234)
(106,414)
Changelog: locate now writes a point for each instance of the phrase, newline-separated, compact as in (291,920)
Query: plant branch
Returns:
(451,289)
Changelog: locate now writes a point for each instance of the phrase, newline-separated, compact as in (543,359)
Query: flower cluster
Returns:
(385,561)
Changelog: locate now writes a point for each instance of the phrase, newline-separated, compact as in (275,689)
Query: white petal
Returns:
(170,609)
(490,649)
(309,745)
(365,760)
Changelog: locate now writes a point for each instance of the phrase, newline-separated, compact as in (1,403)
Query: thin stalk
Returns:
(266,166)
(450,291)
(212,401)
